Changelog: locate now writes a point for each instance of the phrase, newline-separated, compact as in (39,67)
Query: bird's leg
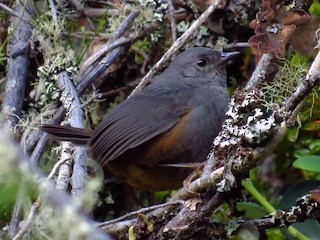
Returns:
(196,173)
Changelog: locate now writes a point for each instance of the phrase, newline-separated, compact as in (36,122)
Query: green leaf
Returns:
(311,126)
(315,146)
(304,116)
(253,210)
(309,163)
(293,134)
(306,139)
(301,152)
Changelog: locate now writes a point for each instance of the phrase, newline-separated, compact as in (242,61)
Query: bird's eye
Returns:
(201,62)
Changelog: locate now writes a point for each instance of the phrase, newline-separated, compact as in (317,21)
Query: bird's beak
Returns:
(225,56)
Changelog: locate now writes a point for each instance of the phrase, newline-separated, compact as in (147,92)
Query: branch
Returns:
(18,69)
(94,71)
(18,64)
(176,46)
(72,105)
(307,207)
(16,14)
(172,20)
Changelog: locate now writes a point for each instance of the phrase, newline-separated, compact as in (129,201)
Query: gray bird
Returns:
(149,138)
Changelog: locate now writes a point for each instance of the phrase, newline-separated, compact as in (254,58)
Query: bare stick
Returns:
(32,214)
(16,80)
(94,71)
(17,65)
(172,21)
(64,169)
(72,104)
(104,50)
(15,14)
(176,46)
(140,211)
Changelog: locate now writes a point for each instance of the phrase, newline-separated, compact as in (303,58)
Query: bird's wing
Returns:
(134,122)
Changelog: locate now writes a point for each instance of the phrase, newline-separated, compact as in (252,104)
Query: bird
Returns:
(151,138)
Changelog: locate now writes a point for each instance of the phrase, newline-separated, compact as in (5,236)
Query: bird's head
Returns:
(201,66)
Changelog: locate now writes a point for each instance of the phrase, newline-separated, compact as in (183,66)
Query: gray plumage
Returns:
(173,120)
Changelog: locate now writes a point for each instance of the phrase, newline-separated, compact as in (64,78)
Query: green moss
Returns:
(285,81)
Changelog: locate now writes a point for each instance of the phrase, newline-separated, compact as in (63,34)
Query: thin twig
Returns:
(57,166)
(102,51)
(9,10)
(54,13)
(29,221)
(15,14)
(140,211)
(94,71)
(176,46)
(172,20)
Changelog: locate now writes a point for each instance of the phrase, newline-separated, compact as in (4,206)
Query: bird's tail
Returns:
(65,133)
